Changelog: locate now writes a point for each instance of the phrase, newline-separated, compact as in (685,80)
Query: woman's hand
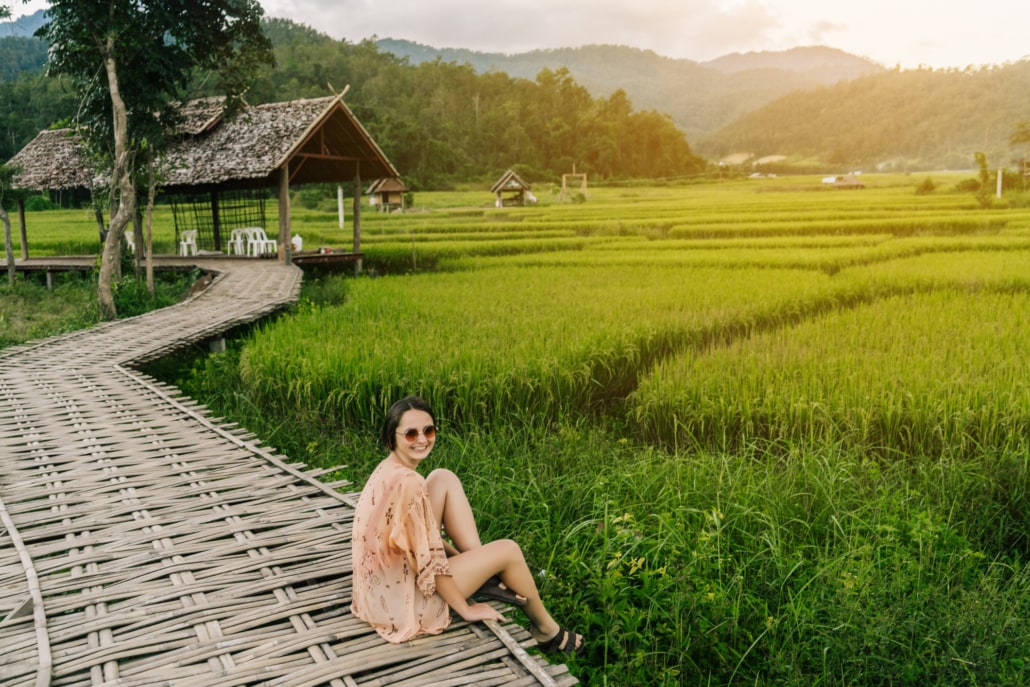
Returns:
(446,588)
(482,611)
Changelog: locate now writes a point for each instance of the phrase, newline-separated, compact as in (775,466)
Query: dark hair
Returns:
(388,435)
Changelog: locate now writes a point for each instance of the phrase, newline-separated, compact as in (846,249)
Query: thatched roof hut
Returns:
(513,185)
(387,194)
(264,146)
(320,140)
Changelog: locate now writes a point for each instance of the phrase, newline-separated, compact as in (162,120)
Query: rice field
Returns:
(750,433)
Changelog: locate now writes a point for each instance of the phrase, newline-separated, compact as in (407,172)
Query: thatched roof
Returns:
(509,181)
(387,185)
(320,139)
(53,160)
(200,115)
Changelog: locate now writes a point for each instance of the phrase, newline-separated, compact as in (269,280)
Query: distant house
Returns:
(387,194)
(510,189)
(844,181)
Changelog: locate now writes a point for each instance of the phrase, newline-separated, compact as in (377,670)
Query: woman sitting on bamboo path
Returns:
(406,578)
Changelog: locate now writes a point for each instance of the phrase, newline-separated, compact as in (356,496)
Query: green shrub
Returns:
(40,202)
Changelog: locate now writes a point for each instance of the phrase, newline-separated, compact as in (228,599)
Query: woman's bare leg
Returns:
(478,562)
(452,510)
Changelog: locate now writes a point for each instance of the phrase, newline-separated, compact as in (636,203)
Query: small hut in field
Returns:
(220,169)
(387,194)
(511,189)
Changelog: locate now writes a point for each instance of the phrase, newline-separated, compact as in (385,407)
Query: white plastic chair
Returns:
(258,242)
(238,242)
(188,242)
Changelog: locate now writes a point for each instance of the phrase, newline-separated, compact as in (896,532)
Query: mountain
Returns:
(20,51)
(700,97)
(23,27)
(829,64)
(896,119)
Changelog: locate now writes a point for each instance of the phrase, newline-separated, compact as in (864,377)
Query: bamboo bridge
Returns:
(144,542)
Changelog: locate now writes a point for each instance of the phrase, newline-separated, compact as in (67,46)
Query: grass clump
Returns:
(30,311)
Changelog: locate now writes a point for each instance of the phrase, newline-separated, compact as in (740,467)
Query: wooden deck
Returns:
(144,542)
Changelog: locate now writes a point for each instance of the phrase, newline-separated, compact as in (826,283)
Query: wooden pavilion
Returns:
(270,146)
(510,189)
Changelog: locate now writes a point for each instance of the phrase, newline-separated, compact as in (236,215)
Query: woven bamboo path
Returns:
(144,542)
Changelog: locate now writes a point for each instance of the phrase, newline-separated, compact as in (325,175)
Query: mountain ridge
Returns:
(700,97)
(24,26)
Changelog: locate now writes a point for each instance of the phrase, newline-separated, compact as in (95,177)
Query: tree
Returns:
(1020,134)
(5,12)
(983,191)
(131,62)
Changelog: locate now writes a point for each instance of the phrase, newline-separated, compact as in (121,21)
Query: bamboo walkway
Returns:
(144,542)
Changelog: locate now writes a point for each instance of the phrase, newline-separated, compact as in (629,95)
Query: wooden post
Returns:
(216,222)
(21,229)
(284,214)
(357,218)
(339,202)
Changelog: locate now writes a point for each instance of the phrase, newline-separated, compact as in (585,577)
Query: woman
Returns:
(405,584)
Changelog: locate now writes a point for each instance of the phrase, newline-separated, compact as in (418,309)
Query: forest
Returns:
(438,122)
(899,120)
(444,116)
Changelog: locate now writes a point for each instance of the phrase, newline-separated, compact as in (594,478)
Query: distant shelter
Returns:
(511,189)
(387,194)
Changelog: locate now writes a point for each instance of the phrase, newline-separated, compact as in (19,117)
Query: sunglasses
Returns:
(429,432)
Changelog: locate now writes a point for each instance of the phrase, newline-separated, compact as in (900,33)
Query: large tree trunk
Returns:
(8,245)
(149,238)
(122,179)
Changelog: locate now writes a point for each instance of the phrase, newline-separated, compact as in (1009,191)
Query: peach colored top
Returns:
(397,553)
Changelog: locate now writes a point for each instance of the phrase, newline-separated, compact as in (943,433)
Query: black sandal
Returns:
(495,589)
(565,642)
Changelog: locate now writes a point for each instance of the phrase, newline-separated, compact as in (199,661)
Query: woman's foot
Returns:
(563,642)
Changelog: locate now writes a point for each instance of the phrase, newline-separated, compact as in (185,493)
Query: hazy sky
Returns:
(937,33)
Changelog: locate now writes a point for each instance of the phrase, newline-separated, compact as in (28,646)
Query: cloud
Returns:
(694,29)
(891,32)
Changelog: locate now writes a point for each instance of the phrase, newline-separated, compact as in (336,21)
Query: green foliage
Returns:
(20,55)
(29,311)
(40,202)
(132,298)
(913,119)
(983,191)
(157,48)
(706,96)
(926,187)
(438,122)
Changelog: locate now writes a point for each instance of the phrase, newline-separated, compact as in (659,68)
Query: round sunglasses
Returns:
(429,432)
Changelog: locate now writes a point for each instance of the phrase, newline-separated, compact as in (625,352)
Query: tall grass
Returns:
(930,373)
(29,310)
(486,344)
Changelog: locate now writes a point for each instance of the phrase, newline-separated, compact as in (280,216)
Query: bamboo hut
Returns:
(272,146)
